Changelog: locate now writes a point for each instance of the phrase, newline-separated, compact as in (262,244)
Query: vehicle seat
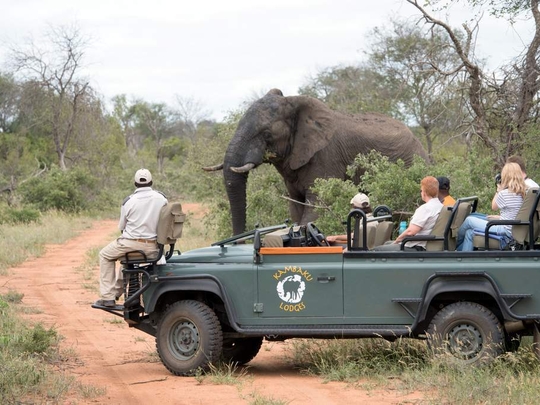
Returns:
(383,233)
(447,225)
(288,237)
(277,238)
(358,235)
(170,226)
(525,227)
(444,232)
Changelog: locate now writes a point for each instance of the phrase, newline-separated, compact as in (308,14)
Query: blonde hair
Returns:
(431,186)
(512,179)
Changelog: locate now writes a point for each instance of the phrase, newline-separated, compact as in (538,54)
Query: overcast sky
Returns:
(222,52)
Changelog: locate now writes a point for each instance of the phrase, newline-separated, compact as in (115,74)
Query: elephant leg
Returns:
(309,214)
(296,210)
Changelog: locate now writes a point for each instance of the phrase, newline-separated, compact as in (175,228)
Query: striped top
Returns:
(509,204)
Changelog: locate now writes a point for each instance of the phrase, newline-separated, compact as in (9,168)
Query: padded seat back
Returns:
(358,236)
(383,233)
(275,239)
(448,223)
(171,223)
(529,213)
(169,229)
(439,229)
(529,224)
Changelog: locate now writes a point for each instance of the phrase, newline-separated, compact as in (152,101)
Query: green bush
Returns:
(334,204)
(69,191)
(23,215)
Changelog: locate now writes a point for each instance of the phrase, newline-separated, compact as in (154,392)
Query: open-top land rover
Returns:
(285,282)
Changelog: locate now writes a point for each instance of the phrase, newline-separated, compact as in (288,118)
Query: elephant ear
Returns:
(313,130)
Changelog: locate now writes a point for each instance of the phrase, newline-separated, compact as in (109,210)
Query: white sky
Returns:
(221,52)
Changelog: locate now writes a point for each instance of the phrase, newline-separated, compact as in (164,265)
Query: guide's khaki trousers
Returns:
(111,278)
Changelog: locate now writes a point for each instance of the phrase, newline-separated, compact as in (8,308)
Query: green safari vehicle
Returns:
(221,301)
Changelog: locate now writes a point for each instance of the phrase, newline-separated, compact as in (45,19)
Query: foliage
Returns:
(70,191)
(404,55)
(391,183)
(22,215)
(394,185)
(334,203)
(352,89)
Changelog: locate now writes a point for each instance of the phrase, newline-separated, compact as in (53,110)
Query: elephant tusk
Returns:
(213,168)
(243,169)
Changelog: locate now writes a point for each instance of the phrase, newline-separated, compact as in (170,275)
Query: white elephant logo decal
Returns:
(291,289)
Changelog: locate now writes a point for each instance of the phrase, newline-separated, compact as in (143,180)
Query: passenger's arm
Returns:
(410,231)
(494,205)
(340,239)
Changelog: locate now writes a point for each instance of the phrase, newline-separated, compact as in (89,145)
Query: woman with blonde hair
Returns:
(508,200)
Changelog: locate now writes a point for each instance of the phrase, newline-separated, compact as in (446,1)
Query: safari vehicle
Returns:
(284,282)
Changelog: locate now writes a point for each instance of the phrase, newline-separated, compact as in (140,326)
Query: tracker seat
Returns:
(170,225)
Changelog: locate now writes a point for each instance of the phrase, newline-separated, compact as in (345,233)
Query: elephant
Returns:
(304,139)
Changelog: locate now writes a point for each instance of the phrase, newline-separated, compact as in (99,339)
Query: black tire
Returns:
(469,332)
(536,340)
(189,337)
(242,350)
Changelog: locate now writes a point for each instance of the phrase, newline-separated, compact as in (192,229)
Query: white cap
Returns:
(143,176)
(360,200)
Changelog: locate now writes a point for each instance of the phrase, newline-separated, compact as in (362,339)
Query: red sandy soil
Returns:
(122,361)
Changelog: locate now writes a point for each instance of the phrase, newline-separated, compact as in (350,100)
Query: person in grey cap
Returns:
(444,191)
(139,218)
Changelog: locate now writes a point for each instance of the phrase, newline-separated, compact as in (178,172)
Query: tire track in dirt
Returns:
(123,360)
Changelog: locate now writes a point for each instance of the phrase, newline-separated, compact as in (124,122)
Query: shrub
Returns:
(23,215)
(69,191)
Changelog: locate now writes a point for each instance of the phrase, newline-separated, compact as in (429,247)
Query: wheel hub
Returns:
(184,340)
(465,341)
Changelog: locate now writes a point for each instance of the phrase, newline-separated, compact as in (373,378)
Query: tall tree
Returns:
(55,73)
(157,122)
(352,89)
(404,55)
(124,113)
(502,103)
(191,114)
(9,102)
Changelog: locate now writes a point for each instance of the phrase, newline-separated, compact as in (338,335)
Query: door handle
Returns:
(325,279)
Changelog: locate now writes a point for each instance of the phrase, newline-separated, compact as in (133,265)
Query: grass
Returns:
(223,374)
(407,365)
(21,241)
(29,359)
(31,362)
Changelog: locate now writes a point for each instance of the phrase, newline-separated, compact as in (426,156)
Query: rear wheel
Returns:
(241,350)
(469,332)
(189,337)
(536,340)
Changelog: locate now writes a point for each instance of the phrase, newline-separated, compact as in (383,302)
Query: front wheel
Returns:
(468,331)
(189,337)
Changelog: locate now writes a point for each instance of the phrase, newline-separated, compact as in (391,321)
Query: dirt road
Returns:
(123,361)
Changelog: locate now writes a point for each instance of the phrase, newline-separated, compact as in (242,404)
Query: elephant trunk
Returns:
(242,155)
(235,184)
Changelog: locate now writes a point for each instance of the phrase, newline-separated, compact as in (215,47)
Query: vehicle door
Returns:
(303,282)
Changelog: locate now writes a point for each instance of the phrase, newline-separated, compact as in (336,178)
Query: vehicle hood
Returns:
(216,254)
